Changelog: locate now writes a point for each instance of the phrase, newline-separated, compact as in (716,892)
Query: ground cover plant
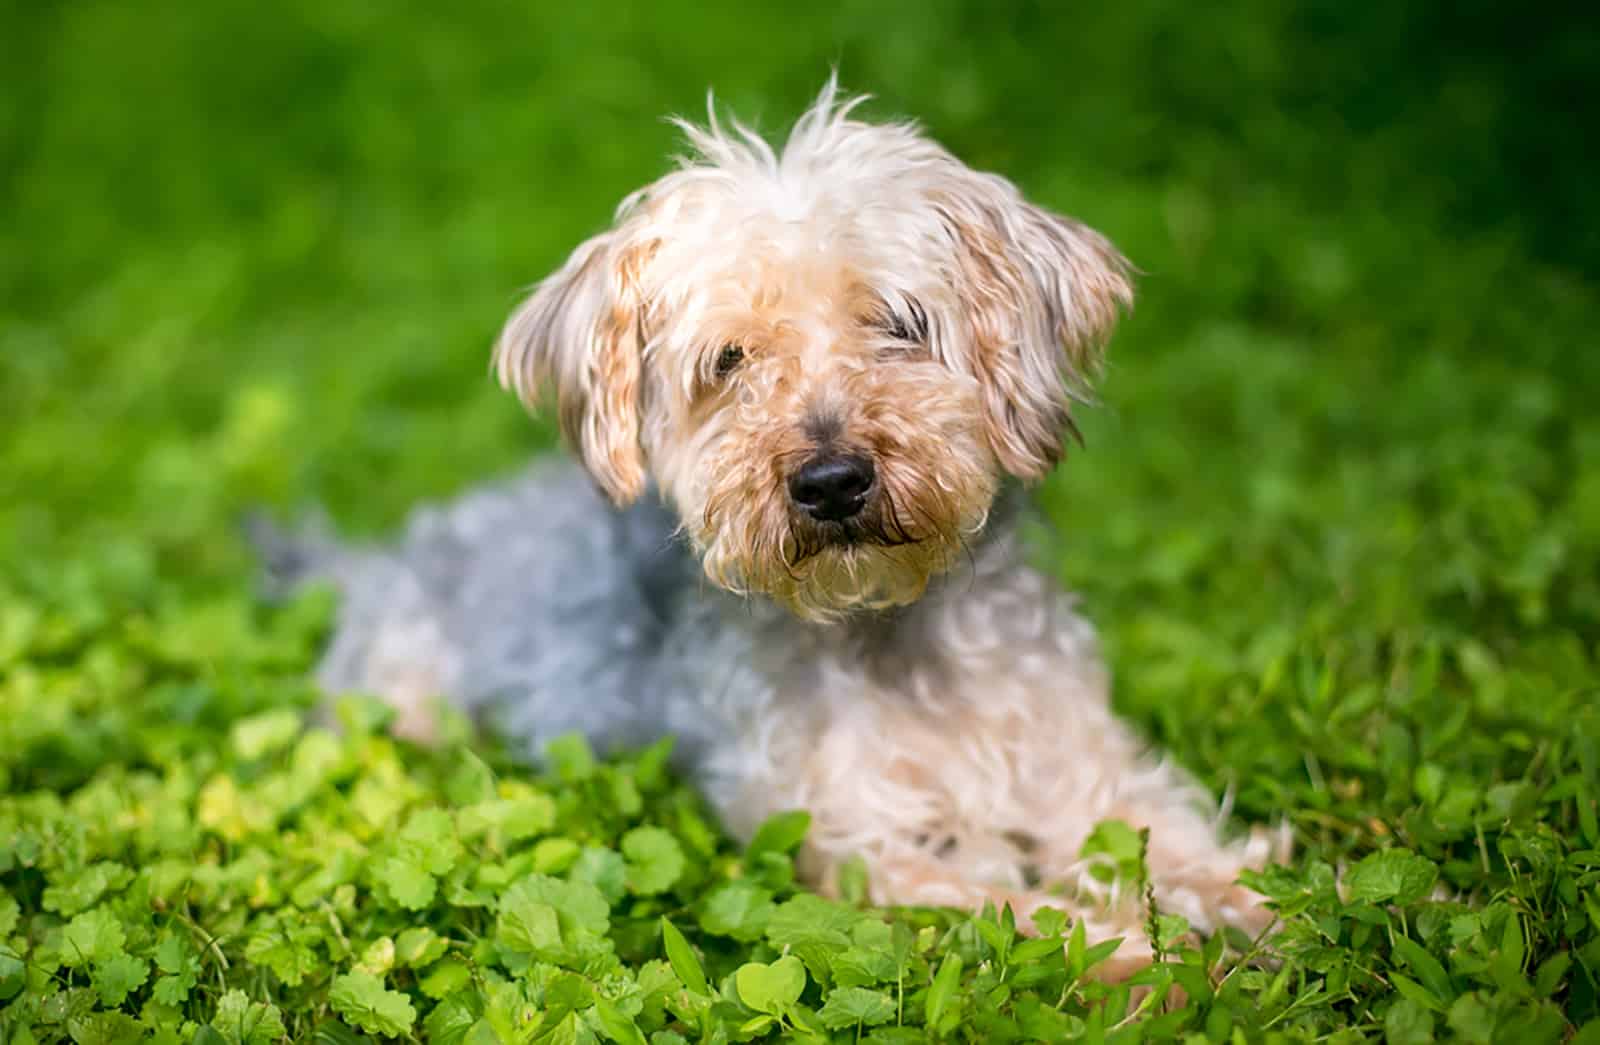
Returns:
(1336,518)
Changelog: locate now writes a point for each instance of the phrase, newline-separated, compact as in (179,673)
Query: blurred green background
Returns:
(254,254)
(1338,517)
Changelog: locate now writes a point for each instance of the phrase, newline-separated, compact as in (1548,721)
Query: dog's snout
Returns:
(832,487)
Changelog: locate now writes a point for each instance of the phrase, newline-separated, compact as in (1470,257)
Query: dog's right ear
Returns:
(580,331)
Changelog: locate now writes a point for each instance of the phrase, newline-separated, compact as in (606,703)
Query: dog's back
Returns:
(531,603)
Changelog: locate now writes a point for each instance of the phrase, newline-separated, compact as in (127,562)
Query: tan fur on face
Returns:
(890,302)
(818,374)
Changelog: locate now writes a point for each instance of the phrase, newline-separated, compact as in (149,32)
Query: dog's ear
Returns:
(1042,294)
(581,332)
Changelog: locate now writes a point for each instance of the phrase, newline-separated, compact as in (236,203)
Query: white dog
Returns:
(836,363)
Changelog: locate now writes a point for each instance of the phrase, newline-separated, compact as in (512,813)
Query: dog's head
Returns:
(827,356)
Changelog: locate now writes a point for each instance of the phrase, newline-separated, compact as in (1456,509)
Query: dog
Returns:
(806,387)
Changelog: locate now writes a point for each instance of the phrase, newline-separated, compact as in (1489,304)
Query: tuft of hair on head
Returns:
(733,147)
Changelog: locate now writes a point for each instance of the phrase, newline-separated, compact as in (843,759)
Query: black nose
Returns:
(832,487)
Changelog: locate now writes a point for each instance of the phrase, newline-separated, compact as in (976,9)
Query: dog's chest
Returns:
(949,702)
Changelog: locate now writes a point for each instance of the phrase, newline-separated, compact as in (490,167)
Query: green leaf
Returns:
(617,1027)
(419,946)
(808,919)
(1426,966)
(471,781)
(241,1021)
(1415,992)
(1049,921)
(651,765)
(1118,846)
(579,905)
(1191,979)
(861,966)
(1513,949)
(526,924)
(284,945)
(454,1018)
(106,1028)
(1101,951)
(571,1030)
(445,978)
(850,1006)
(1391,876)
(428,840)
(90,937)
(72,892)
(361,998)
(1551,972)
(378,958)
(564,922)
(1408,1023)
(1472,1020)
(853,882)
(780,833)
(264,734)
(739,909)
(682,959)
(1170,928)
(655,860)
(564,992)
(571,758)
(774,988)
(411,886)
(755,1026)
(511,819)
(552,856)
(943,989)
(361,715)
(172,954)
(116,977)
(605,869)
(174,990)
(1035,949)
(12,973)
(1077,951)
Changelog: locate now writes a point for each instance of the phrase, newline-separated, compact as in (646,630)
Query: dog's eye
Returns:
(729,358)
(908,327)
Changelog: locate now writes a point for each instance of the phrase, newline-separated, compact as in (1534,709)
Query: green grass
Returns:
(1337,519)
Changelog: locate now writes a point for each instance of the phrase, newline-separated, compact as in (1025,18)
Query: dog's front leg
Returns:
(929,804)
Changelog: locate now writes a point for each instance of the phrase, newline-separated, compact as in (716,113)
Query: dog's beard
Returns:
(873,561)
(881,525)
(845,579)
(822,571)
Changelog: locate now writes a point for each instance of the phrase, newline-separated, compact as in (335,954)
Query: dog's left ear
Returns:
(1042,294)
(581,331)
